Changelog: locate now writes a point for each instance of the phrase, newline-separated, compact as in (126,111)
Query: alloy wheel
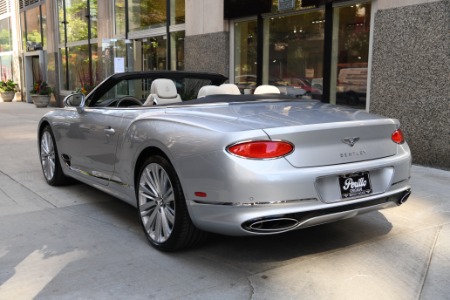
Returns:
(48,155)
(156,203)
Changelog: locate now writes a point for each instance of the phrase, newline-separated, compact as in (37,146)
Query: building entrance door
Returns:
(34,71)
(154,51)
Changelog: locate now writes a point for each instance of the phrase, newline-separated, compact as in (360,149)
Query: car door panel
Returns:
(90,140)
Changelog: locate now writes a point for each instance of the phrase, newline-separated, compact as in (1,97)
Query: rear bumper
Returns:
(276,218)
(321,216)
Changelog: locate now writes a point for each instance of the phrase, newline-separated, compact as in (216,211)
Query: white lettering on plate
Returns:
(354,186)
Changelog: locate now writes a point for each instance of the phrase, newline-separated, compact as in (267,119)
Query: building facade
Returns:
(389,57)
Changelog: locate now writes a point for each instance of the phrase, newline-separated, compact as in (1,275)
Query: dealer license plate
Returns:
(354,185)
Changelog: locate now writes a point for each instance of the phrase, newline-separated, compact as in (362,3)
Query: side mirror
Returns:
(75,100)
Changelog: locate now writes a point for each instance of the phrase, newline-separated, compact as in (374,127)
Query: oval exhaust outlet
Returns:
(404,197)
(272,225)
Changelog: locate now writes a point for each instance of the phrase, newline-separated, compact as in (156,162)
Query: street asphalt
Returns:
(75,242)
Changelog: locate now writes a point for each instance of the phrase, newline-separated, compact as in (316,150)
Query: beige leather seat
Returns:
(266,89)
(210,90)
(162,91)
(230,88)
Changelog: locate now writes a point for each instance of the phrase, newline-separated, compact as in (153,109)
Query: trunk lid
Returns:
(323,134)
(337,143)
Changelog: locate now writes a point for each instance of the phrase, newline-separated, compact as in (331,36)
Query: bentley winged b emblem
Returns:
(350,141)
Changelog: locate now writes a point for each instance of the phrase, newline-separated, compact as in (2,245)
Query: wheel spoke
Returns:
(168,196)
(150,182)
(158,229)
(147,192)
(151,220)
(147,208)
(165,227)
(170,215)
(156,172)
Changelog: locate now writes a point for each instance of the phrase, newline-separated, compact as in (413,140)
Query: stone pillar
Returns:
(52,62)
(207,46)
(410,74)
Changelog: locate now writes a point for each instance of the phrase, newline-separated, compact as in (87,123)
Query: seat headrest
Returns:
(163,88)
(210,90)
(266,89)
(230,88)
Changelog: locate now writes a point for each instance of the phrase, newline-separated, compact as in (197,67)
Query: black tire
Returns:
(162,207)
(50,163)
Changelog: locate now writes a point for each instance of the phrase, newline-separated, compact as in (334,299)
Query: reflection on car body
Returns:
(229,164)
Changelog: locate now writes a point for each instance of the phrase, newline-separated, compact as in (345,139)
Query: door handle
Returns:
(109,131)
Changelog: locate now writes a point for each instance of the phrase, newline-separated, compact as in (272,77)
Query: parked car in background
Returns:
(352,85)
(291,91)
(306,85)
(193,159)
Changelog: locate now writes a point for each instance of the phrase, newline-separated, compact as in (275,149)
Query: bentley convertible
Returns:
(193,156)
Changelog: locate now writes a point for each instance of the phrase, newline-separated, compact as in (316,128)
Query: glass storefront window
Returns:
(351,51)
(33,29)
(177,53)
(63,76)
(6,67)
(5,34)
(116,56)
(154,53)
(93,9)
(78,67)
(289,5)
(106,63)
(76,21)
(43,24)
(61,24)
(96,67)
(22,29)
(293,48)
(111,52)
(245,55)
(77,25)
(145,14)
(119,17)
(177,12)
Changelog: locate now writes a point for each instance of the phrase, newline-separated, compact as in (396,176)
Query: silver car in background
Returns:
(224,163)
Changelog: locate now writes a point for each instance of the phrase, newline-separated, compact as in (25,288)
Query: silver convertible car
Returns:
(193,156)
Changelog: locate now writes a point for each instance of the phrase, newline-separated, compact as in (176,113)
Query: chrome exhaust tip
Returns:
(404,197)
(272,225)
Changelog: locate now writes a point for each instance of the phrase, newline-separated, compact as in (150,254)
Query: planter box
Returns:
(40,100)
(7,96)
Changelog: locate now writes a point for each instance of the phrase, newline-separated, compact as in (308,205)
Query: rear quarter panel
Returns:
(179,139)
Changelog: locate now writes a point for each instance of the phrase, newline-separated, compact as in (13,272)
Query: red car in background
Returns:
(305,84)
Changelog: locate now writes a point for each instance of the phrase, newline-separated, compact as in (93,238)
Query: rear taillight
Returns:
(261,149)
(397,137)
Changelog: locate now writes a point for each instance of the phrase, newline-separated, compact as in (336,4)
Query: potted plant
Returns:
(40,94)
(8,89)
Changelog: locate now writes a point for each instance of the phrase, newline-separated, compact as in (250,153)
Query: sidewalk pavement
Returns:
(75,242)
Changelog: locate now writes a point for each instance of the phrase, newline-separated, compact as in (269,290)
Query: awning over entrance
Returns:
(243,8)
